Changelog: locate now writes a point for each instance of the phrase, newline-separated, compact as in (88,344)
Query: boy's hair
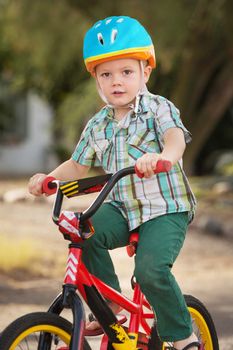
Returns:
(114,38)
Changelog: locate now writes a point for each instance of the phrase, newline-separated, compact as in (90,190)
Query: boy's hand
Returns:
(147,164)
(35,184)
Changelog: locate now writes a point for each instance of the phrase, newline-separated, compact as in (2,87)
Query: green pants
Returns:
(160,241)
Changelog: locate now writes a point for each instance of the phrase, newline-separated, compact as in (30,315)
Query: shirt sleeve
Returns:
(84,152)
(168,116)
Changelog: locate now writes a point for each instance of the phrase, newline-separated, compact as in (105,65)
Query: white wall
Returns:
(34,154)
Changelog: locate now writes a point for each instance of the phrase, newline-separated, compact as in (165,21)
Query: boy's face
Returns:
(120,80)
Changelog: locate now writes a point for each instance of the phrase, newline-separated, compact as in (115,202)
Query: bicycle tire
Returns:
(203,327)
(26,330)
(203,323)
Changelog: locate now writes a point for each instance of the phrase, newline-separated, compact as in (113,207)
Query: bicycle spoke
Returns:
(31,342)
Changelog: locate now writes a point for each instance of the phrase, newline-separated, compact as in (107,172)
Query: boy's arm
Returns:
(174,146)
(69,170)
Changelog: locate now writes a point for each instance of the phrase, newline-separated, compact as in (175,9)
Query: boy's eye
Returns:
(105,74)
(127,72)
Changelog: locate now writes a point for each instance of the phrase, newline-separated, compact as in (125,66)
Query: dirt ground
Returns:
(204,267)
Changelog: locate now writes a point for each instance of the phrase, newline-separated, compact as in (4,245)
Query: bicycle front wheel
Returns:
(38,330)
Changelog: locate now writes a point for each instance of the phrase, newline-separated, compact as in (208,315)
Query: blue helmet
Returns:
(117,37)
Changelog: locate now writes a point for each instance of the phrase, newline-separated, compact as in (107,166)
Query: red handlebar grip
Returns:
(162,166)
(48,187)
(138,173)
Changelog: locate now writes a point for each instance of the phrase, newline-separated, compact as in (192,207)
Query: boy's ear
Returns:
(147,72)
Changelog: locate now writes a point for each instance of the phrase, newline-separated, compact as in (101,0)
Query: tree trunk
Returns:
(218,100)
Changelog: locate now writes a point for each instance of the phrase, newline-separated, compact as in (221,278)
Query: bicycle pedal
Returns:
(99,331)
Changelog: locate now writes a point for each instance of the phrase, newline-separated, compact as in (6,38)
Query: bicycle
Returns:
(48,330)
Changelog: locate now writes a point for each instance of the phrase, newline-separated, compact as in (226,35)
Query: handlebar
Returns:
(50,184)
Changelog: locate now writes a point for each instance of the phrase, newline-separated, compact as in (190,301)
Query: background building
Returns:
(26,138)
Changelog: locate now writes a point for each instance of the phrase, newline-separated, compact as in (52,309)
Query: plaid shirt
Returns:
(115,144)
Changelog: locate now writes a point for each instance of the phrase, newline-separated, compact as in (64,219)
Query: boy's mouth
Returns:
(118,93)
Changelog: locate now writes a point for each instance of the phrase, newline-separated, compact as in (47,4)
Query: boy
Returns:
(135,127)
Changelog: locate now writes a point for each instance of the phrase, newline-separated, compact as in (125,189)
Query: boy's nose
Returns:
(116,80)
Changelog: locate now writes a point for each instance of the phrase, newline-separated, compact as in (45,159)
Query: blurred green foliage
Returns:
(41,50)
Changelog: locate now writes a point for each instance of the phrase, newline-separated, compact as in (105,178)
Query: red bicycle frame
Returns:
(88,285)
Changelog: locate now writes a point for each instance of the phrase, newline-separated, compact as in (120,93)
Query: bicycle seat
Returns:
(133,242)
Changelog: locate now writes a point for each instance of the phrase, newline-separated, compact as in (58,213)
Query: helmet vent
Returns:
(100,38)
(98,24)
(120,20)
(113,35)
